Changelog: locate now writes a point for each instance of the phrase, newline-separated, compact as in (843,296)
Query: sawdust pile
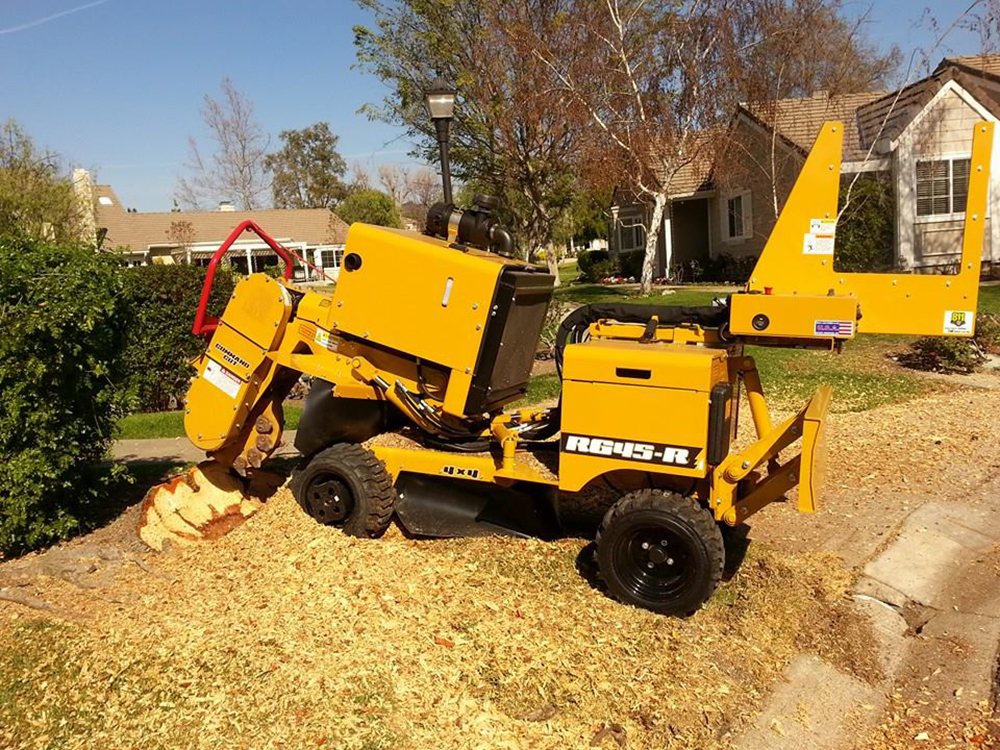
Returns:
(288,634)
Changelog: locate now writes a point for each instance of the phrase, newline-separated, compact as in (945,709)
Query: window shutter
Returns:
(747,215)
(960,184)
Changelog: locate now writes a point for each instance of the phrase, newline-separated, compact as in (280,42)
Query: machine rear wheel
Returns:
(346,486)
(660,551)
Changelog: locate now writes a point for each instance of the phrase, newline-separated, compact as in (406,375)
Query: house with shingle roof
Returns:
(144,238)
(916,140)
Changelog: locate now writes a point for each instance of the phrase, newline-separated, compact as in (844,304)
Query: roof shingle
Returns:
(139,231)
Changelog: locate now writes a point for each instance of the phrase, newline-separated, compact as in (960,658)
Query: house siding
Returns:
(747,167)
(942,130)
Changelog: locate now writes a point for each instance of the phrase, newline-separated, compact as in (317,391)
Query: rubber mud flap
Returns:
(442,507)
(327,419)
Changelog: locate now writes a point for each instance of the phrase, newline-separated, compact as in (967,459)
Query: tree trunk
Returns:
(552,260)
(652,237)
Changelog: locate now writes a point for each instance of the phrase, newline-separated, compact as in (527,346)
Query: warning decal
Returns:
(324,339)
(226,381)
(820,238)
(959,321)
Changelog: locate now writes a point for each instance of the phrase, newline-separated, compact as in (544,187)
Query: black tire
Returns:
(638,569)
(345,485)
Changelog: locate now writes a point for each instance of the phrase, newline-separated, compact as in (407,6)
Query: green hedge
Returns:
(721,269)
(65,317)
(596,265)
(161,346)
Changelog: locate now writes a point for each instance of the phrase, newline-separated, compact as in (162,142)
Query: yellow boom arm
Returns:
(798,257)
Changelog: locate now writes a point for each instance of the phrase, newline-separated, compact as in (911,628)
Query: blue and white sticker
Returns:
(837,328)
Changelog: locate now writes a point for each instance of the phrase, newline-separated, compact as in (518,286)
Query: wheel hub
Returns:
(653,562)
(330,499)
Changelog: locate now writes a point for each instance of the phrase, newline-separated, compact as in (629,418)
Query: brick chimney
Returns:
(83,191)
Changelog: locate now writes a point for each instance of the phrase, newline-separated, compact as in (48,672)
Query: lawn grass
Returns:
(540,388)
(863,376)
(170,424)
(568,273)
(989,299)
(586,294)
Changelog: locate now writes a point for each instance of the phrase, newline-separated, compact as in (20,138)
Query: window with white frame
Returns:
(631,234)
(942,186)
(737,218)
(331,258)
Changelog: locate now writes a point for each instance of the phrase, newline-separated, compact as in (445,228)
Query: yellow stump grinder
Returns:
(430,336)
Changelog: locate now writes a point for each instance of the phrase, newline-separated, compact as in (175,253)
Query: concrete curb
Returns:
(934,586)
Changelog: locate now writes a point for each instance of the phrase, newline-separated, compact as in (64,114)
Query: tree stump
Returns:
(202,504)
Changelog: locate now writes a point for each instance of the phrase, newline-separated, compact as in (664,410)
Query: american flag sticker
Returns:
(838,328)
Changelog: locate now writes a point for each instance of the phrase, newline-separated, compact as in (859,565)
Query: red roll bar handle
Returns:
(204,324)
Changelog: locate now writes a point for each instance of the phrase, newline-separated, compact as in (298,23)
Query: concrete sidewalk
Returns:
(178,450)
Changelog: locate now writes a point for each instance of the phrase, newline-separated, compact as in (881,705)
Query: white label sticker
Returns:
(959,321)
(820,238)
(226,381)
(324,339)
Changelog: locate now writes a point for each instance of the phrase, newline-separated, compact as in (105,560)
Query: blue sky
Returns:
(116,85)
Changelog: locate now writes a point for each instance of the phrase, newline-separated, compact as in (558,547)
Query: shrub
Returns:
(865,230)
(161,346)
(723,269)
(65,318)
(586,259)
(942,355)
(988,332)
(602,269)
(956,355)
(630,263)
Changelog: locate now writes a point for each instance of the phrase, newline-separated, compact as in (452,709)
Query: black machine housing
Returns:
(507,352)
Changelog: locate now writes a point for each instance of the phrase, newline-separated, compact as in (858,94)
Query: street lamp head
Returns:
(440,99)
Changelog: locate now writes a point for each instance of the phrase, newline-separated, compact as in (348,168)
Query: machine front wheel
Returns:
(346,486)
(660,551)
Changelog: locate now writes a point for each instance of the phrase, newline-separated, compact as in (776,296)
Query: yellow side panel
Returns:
(607,427)
(655,364)
(798,257)
(415,294)
(793,316)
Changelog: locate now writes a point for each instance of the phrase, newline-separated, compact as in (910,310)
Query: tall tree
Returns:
(396,181)
(370,207)
(234,169)
(506,136)
(36,199)
(809,48)
(648,78)
(308,171)
(655,82)
(424,187)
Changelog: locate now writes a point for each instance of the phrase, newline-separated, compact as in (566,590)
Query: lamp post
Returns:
(440,100)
